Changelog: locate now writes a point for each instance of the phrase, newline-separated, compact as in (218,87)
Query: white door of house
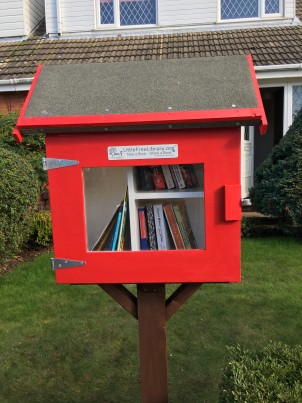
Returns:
(247,159)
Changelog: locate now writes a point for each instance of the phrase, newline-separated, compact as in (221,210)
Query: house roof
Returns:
(275,45)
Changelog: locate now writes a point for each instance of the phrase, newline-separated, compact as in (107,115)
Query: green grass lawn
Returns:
(61,343)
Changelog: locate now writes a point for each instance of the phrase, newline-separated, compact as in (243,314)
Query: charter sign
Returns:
(142,152)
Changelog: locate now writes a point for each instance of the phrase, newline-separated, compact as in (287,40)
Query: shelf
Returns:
(168,194)
(104,189)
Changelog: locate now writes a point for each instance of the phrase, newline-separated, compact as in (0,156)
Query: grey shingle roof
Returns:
(268,46)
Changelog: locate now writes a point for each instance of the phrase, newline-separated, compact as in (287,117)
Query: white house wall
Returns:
(289,8)
(34,12)
(11,18)
(77,15)
(184,12)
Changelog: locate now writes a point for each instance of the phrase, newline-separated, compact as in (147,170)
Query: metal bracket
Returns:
(53,163)
(65,263)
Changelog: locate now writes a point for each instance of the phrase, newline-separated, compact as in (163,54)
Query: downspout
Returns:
(59,25)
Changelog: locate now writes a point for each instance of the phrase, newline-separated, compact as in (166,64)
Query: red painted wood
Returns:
(208,116)
(232,202)
(263,126)
(16,131)
(217,149)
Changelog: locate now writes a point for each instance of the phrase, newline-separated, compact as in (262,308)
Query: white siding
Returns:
(289,8)
(34,12)
(186,12)
(51,17)
(77,15)
(11,18)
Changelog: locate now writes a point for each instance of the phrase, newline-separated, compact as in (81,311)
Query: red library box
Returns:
(143,161)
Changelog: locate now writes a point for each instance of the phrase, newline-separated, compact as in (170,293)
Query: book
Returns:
(104,240)
(144,178)
(168,177)
(185,171)
(173,227)
(160,227)
(121,236)
(158,178)
(143,229)
(114,239)
(127,237)
(184,224)
(192,174)
(151,227)
(177,176)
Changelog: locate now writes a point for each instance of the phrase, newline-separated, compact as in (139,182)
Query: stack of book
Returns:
(116,234)
(165,226)
(159,177)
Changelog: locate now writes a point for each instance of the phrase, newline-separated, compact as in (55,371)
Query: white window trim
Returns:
(117,24)
(261,13)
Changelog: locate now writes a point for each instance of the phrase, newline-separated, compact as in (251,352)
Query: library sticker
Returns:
(142,152)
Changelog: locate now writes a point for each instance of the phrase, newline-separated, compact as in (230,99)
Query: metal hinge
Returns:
(65,263)
(53,163)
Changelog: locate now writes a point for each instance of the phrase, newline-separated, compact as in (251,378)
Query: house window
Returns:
(297,99)
(240,9)
(127,12)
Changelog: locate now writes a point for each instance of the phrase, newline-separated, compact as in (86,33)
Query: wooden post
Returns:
(152,342)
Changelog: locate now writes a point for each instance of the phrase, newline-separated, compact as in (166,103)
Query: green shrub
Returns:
(32,147)
(270,374)
(278,181)
(19,190)
(41,230)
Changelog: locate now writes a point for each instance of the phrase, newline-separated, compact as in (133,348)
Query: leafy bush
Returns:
(41,230)
(19,189)
(32,147)
(270,374)
(278,181)
(252,227)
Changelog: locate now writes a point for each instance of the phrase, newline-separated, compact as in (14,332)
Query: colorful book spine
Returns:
(104,240)
(121,236)
(144,178)
(173,226)
(151,227)
(143,228)
(177,175)
(160,229)
(184,224)
(158,178)
(116,229)
(168,177)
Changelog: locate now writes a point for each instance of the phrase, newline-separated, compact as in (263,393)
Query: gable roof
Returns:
(219,91)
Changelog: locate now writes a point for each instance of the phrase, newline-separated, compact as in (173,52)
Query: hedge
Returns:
(271,374)
(278,181)
(19,189)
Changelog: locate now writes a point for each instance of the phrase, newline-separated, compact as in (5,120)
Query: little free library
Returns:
(143,162)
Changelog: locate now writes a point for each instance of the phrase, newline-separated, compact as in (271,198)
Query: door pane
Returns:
(297,99)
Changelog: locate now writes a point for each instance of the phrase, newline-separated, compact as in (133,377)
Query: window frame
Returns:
(117,19)
(261,13)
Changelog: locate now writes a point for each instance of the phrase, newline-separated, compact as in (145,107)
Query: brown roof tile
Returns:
(274,45)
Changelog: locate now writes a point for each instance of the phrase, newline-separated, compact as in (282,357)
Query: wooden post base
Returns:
(152,342)
(152,310)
